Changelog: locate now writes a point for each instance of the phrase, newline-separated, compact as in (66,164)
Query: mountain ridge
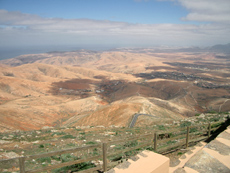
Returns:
(108,88)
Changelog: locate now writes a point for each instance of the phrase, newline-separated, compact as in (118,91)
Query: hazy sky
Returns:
(114,22)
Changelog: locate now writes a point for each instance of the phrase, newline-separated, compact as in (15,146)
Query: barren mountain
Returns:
(107,88)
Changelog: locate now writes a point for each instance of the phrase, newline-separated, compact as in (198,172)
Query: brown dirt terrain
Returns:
(108,88)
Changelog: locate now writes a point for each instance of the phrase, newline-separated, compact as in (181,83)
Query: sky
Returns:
(113,23)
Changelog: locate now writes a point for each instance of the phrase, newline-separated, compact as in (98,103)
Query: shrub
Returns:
(185,124)
(179,153)
(91,143)
(212,112)
(161,127)
(82,137)
(194,129)
(47,131)
(68,137)
(150,148)
(224,113)
(58,133)
(214,119)
(170,135)
(57,158)
(130,153)
(41,146)
(95,152)
(216,125)
(131,144)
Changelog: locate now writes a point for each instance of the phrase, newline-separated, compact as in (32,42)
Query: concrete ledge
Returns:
(148,162)
(213,157)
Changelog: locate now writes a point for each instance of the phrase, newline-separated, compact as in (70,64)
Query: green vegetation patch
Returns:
(68,137)
(212,112)
(193,129)
(71,145)
(179,153)
(78,129)
(216,125)
(185,124)
(171,142)
(58,133)
(90,143)
(131,144)
(214,119)
(44,159)
(161,127)
(41,146)
(82,133)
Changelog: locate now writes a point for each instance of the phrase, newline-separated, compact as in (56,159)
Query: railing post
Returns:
(209,130)
(22,164)
(155,141)
(104,150)
(187,136)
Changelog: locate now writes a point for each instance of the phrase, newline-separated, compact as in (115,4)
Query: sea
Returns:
(12,52)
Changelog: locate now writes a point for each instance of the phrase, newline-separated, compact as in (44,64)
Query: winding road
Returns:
(132,123)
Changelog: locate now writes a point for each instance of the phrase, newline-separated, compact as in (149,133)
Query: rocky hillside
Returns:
(108,88)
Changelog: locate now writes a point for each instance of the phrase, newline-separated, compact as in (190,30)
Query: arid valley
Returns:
(106,88)
(114,86)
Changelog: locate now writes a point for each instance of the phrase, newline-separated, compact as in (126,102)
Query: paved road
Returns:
(135,119)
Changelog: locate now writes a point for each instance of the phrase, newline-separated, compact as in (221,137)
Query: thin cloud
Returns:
(207,10)
(20,28)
